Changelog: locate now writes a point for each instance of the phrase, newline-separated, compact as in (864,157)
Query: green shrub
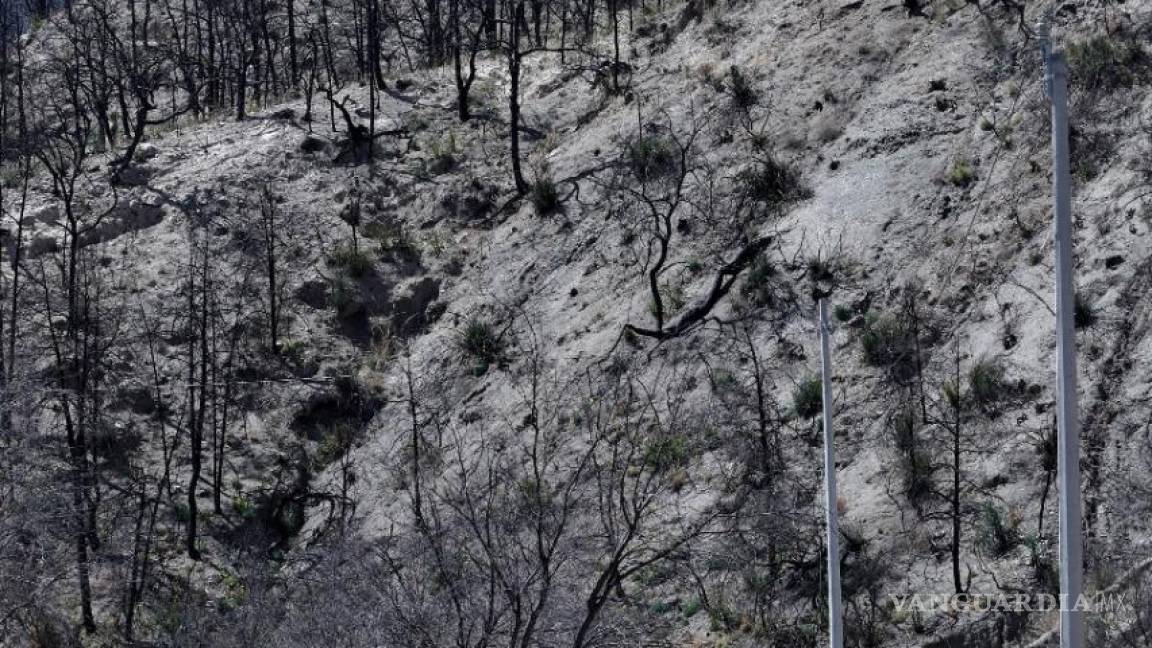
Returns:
(352,261)
(722,617)
(1043,567)
(666,453)
(346,299)
(743,94)
(996,536)
(808,399)
(888,342)
(842,313)
(1084,315)
(544,195)
(961,173)
(380,231)
(915,463)
(986,381)
(904,424)
(333,445)
(481,342)
(1108,62)
(774,183)
(820,270)
(242,506)
(652,157)
(690,607)
(758,284)
(916,473)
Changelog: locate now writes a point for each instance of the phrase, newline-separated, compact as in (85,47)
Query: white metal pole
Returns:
(1068,421)
(835,614)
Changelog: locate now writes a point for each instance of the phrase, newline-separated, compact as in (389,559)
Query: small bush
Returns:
(480,341)
(887,342)
(354,262)
(346,299)
(916,471)
(1084,315)
(808,399)
(653,157)
(961,173)
(842,313)
(774,183)
(743,94)
(545,198)
(986,381)
(758,284)
(996,536)
(1043,566)
(242,506)
(820,270)
(903,425)
(333,445)
(915,463)
(666,453)
(1108,62)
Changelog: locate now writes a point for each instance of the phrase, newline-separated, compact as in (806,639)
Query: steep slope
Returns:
(453,367)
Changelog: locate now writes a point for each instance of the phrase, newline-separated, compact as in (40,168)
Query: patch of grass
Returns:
(1043,566)
(961,173)
(242,506)
(888,342)
(743,94)
(986,381)
(353,262)
(995,535)
(758,283)
(914,461)
(653,156)
(820,270)
(808,399)
(1084,315)
(544,196)
(333,445)
(1108,62)
(667,453)
(480,341)
(346,299)
(773,183)
(11,176)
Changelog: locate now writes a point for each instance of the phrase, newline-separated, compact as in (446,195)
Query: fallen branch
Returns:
(721,286)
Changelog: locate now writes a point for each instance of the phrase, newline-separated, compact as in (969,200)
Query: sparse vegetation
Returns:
(888,342)
(961,174)
(666,453)
(996,535)
(743,94)
(773,183)
(652,157)
(1084,315)
(481,341)
(354,263)
(1109,62)
(545,197)
(986,381)
(808,398)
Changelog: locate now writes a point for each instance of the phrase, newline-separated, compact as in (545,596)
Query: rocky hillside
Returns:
(434,410)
